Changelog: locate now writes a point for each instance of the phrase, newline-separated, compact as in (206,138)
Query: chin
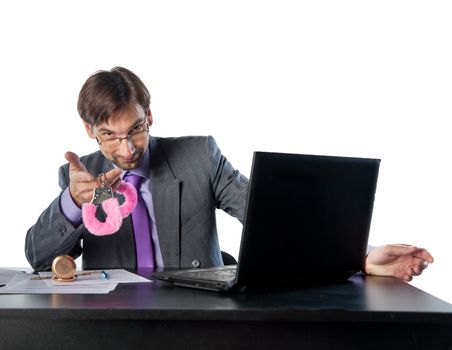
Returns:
(129,165)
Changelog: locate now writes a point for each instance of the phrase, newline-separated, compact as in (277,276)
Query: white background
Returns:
(354,78)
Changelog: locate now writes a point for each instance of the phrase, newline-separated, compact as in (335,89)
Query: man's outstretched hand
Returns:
(397,260)
(82,183)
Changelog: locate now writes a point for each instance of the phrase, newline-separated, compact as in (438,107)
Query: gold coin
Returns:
(64,267)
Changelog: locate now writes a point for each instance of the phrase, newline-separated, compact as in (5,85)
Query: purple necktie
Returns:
(141,227)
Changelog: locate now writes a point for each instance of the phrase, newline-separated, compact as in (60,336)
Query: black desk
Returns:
(362,313)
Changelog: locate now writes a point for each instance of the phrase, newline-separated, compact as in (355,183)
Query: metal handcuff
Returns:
(114,212)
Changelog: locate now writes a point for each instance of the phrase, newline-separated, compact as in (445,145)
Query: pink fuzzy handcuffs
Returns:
(114,212)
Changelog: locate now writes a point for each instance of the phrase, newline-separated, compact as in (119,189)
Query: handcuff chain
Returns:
(86,273)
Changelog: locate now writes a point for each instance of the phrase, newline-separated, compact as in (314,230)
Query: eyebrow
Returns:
(138,122)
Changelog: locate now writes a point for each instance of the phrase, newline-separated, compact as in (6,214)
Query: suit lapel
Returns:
(165,189)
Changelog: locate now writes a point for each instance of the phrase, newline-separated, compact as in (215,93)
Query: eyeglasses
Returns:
(136,135)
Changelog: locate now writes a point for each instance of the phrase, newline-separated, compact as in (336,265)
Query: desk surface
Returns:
(360,297)
(360,301)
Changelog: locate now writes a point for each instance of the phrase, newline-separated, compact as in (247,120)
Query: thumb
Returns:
(74,161)
(400,249)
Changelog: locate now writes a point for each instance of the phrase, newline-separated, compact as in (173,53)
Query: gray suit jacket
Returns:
(189,179)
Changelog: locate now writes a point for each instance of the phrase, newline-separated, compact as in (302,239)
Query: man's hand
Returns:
(82,183)
(397,260)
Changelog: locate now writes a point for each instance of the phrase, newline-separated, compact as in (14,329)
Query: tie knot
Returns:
(135,180)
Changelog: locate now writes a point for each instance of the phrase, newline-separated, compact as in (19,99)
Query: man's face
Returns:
(124,138)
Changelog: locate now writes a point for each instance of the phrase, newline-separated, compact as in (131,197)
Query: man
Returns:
(181,182)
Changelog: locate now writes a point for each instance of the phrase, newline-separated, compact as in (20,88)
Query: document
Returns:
(6,275)
(113,276)
(26,283)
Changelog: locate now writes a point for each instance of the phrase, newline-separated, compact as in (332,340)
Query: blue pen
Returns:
(104,275)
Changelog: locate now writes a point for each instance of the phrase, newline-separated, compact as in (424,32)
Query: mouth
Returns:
(129,160)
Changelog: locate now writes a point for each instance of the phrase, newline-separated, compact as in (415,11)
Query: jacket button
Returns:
(196,263)
(62,230)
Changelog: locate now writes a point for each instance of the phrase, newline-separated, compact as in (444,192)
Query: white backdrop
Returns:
(354,78)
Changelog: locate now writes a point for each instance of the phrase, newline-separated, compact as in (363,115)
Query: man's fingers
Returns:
(113,175)
(82,176)
(82,182)
(424,254)
(400,249)
(407,278)
(74,161)
(115,184)
(405,249)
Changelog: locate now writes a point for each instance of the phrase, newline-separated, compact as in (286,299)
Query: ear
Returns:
(89,130)
(149,116)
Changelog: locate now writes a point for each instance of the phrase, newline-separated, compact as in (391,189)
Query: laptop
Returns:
(307,221)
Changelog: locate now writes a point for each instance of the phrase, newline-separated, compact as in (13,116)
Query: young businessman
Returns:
(182,181)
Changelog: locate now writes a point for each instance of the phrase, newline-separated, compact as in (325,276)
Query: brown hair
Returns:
(107,92)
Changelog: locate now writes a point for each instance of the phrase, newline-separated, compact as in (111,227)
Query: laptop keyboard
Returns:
(216,275)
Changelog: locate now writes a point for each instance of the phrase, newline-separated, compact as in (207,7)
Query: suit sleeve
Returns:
(229,185)
(53,234)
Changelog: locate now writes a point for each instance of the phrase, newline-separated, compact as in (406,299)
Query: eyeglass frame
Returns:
(119,139)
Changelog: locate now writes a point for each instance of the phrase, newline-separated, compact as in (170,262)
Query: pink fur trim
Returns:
(130,198)
(113,217)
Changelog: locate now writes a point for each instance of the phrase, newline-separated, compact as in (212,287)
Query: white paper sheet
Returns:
(23,283)
(6,275)
(115,276)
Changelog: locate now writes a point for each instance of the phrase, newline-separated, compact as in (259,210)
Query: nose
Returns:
(126,147)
